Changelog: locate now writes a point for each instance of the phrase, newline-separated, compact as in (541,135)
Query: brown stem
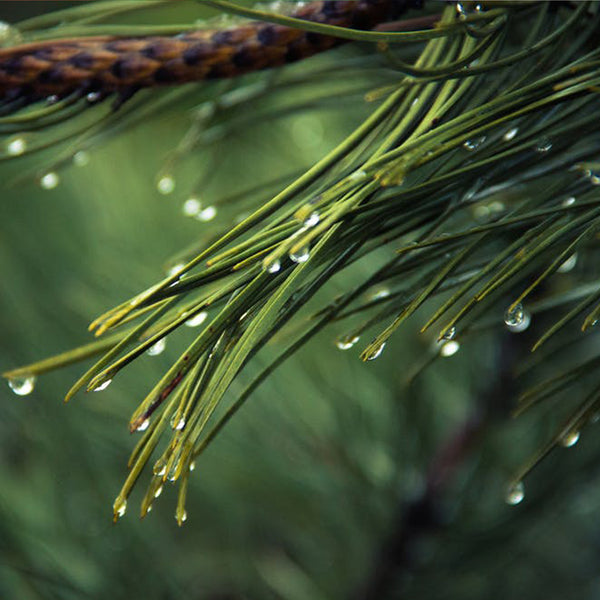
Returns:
(109,64)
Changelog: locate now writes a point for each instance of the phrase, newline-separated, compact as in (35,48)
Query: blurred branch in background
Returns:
(461,197)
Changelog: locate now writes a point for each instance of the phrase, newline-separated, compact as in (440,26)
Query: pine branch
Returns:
(480,176)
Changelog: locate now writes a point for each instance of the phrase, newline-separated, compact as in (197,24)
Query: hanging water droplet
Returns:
(4,31)
(569,264)
(158,491)
(175,269)
(543,146)
(510,134)
(181,517)
(16,146)
(568,201)
(474,144)
(50,180)
(517,319)
(157,348)
(358,175)
(376,353)
(345,342)
(449,348)
(119,507)
(570,438)
(274,267)
(93,97)
(160,467)
(312,220)
(173,473)
(143,425)
(81,158)
(177,424)
(515,494)
(9,35)
(460,9)
(207,214)
(380,293)
(301,255)
(449,334)
(197,320)
(591,171)
(191,207)
(22,386)
(594,176)
(165,185)
(102,386)
(192,465)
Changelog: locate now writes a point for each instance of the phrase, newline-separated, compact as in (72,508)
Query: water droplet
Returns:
(460,9)
(52,99)
(312,220)
(8,34)
(22,386)
(173,473)
(160,467)
(192,465)
(165,185)
(570,439)
(449,335)
(4,30)
(543,146)
(93,97)
(143,425)
(16,146)
(274,267)
(102,386)
(207,214)
(50,180)
(157,348)
(449,348)
(376,353)
(81,158)
(472,145)
(158,491)
(301,255)
(357,175)
(181,517)
(119,507)
(568,201)
(177,424)
(380,294)
(191,207)
(345,342)
(515,494)
(175,269)
(517,319)
(510,134)
(594,176)
(197,320)
(569,264)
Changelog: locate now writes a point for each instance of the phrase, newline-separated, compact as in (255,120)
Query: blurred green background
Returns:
(295,499)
